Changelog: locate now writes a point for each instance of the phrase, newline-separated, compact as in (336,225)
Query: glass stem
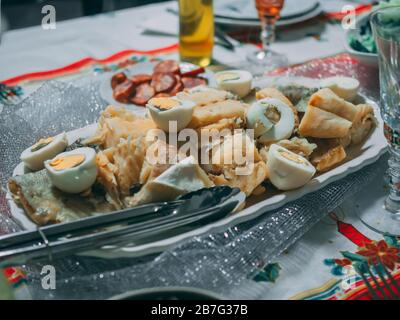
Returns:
(392,202)
(267,33)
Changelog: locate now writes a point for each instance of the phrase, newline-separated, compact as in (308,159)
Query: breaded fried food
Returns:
(118,123)
(328,154)
(213,113)
(45,204)
(236,162)
(203,96)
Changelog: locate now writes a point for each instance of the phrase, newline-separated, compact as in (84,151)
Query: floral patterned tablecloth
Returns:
(323,265)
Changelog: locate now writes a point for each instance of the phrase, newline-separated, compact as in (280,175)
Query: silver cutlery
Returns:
(131,225)
(386,288)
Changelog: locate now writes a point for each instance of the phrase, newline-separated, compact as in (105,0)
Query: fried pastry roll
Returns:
(327,100)
(363,122)
(318,123)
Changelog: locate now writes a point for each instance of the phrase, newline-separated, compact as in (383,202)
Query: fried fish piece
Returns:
(44,204)
(203,96)
(246,183)
(328,154)
(212,113)
(236,162)
(300,146)
(117,123)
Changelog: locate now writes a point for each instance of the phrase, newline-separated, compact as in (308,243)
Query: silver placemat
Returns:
(219,262)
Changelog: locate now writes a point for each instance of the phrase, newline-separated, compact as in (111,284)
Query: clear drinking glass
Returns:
(269,13)
(386,27)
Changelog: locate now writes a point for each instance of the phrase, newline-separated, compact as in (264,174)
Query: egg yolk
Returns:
(41,143)
(228,76)
(291,157)
(67,162)
(164,103)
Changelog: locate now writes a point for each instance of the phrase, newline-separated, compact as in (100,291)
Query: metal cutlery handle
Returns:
(109,237)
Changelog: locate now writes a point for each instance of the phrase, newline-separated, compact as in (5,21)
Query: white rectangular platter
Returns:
(358,157)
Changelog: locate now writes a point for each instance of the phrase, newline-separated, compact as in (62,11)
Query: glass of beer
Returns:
(269,13)
(196,31)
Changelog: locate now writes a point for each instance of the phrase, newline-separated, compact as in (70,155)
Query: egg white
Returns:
(240,87)
(265,131)
(345,87)
(181,114)
(76,179)
(286,174)
(34,160)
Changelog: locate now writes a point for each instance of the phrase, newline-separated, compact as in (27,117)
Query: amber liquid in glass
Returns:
(269,8)
(196,31)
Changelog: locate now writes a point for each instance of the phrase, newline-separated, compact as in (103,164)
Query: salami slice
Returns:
(189,82)
(178,86)
(117,79)
(167,66)
(124,91)
(144,93)
(140,78)
(163,82)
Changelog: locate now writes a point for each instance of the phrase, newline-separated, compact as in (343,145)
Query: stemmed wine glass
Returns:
(269,13)
(386,28)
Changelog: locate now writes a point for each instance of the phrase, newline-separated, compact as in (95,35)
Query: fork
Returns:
(384,287)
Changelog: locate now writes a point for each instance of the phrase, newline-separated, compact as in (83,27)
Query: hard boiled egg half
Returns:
(171,114)
(345,87)
(287,169)
(74,171)
(238,82)
(271,119)
(44,149)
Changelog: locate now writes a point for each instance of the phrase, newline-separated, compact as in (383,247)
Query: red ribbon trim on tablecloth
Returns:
(78,65)
(340,15)
(351,233)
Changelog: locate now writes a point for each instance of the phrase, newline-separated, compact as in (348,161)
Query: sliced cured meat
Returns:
(124,91)
(167,66)
(144,93)
(193,72)
(178,86)
(162,82)
(117,79)
(189,82)
(140,78)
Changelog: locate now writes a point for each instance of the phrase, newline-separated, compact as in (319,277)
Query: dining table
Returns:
(318,264)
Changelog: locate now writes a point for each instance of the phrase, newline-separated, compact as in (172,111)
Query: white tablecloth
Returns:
(34,49)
